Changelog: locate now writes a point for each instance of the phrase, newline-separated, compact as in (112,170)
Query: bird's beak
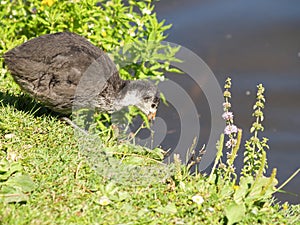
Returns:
(151,116)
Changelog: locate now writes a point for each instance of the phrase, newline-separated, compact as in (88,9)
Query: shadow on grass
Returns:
(26,104)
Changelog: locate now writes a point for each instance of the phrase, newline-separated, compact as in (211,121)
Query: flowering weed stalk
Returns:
(255,161)
(232,135)
(231,130)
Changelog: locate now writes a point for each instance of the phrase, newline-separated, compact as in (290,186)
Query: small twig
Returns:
(289,179)
(77,170)
(136,132)
(70,122)
(195,156)
(12,195)
(137,155)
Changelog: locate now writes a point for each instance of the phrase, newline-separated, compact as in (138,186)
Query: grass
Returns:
(68,190)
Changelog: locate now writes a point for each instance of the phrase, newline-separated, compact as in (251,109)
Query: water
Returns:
(253,42)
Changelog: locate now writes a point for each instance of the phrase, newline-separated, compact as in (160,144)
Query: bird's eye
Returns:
(147,98)
(153,106)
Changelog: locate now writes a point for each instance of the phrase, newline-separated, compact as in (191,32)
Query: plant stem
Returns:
(289,179)
(219,154)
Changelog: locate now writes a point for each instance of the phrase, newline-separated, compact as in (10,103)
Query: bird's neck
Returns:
(127,96)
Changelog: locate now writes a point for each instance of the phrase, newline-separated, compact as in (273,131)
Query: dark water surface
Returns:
(253,42)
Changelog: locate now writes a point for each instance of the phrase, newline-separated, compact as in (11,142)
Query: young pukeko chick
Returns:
(64,70)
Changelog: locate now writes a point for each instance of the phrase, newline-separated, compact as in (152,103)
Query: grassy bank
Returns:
(67,190)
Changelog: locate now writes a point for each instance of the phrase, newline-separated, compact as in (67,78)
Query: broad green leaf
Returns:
(4,166)
(235,212)
(168,209)
(23,182)
(135,160)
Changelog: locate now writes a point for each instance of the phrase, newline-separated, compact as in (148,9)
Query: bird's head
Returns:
(144,95)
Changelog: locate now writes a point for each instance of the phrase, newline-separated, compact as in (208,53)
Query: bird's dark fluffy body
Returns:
(51,67)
